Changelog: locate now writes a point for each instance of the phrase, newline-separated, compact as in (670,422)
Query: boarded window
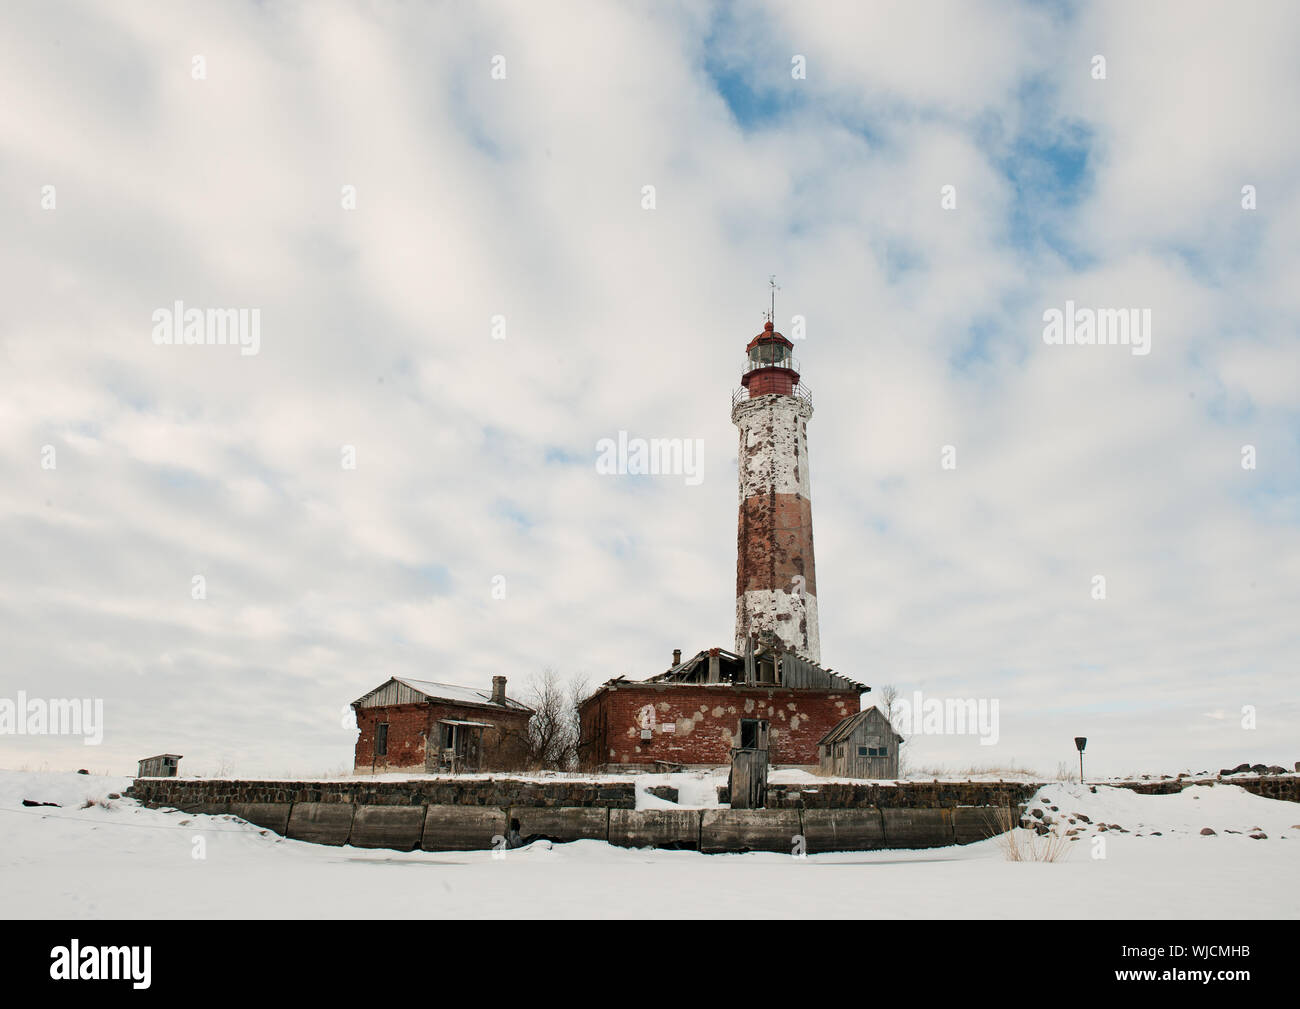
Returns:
(381,739)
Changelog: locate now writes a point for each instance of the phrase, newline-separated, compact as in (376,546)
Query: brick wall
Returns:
(411,725)
(705,722)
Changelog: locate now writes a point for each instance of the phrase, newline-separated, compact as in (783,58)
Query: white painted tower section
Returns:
(776,595)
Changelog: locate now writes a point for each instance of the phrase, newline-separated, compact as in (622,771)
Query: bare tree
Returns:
(553,732)
(888,705)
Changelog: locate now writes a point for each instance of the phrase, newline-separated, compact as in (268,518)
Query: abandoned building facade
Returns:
(422,726)
(864,745)
(771,694)
(694,714)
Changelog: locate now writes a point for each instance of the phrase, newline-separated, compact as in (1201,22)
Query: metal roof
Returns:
(460,721)
(847,725)
(428,690)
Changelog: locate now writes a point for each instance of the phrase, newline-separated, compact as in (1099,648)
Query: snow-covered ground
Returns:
(116,859)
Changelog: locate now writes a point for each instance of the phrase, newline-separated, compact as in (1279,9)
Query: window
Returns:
(866,751)
(381,739)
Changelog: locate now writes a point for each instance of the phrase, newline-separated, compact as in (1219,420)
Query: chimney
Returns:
(499,690)
(677,656)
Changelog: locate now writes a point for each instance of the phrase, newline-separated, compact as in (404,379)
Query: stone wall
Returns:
(1269,786)
(904,795)
(468,814)
(193,794)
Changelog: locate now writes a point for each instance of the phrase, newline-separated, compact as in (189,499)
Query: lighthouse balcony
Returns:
(759,386)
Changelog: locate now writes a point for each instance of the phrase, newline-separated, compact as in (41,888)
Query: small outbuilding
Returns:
(165,765)
(864,745)
(419,725)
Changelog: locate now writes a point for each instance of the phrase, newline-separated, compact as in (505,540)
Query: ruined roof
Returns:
(391,692)
(788,669)
(847,726)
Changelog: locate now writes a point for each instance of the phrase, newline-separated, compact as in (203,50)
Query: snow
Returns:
(122,860)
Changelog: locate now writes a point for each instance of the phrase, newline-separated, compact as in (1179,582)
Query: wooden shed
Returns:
(165,765)
(864,745)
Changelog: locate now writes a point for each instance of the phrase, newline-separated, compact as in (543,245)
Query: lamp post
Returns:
(1080,742)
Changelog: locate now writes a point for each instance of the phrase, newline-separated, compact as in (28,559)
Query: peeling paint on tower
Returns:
(776,576)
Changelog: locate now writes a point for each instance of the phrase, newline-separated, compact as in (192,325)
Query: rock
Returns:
(1276,769)
(1259,768)
(1226,831)
(1207,832)
(1260,836)
(1054,809)
(1040,829)
(1083,818)
(82,770)
(1154,833)
(114,795)
(1036,812)
(31,802)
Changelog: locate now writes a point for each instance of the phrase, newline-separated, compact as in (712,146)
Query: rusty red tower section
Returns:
(776,578)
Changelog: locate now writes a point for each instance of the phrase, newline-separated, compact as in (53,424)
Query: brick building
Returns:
(693,714)
(418,725)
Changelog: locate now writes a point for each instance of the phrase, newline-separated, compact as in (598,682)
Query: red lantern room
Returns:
(769,368)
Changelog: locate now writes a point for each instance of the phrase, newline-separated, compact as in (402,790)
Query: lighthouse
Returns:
(776,578)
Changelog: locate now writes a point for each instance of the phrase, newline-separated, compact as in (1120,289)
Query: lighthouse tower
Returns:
(776,579)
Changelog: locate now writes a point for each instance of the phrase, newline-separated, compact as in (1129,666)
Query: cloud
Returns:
(521,198)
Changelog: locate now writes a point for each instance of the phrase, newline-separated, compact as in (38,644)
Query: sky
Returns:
(440,213)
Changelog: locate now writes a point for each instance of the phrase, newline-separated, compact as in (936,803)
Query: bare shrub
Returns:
(1022,844)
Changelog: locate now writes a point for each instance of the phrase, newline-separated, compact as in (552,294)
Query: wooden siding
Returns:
(841,758)
(392,692)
